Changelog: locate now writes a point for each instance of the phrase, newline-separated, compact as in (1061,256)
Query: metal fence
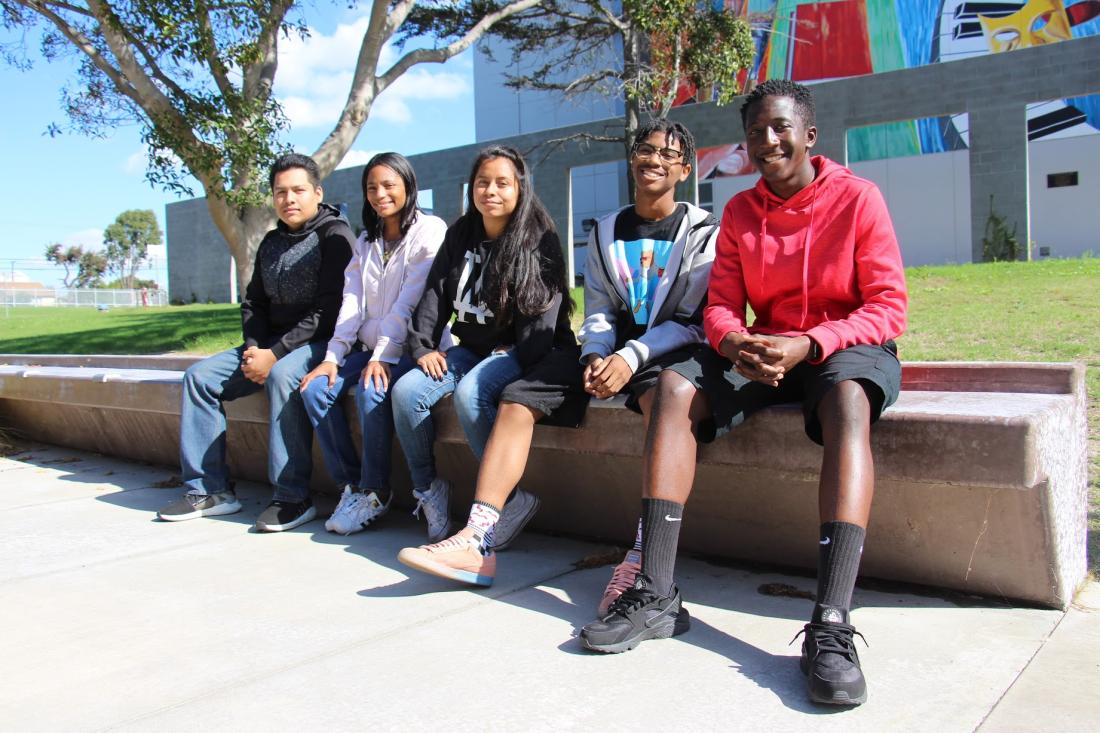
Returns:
(88,297)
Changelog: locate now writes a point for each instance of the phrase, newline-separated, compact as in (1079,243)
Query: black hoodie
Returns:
(297,280)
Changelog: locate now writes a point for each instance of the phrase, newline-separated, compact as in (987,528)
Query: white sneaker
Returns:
(345,498)
(436,503)
(363,509)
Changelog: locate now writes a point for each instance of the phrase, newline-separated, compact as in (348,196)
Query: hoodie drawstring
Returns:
(806,244)
(763,238)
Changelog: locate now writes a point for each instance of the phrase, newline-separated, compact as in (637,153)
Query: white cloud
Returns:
(357,157)
(17,276)
(135,163)
(86,238)
(315,76)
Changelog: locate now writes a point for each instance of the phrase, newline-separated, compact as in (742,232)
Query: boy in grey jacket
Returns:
(646,278)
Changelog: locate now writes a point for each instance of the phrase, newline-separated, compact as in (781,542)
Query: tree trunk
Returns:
(631,122)
(632,51)
(243,229)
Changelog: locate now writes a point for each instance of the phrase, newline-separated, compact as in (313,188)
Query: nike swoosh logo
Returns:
(672,519)
(825,541)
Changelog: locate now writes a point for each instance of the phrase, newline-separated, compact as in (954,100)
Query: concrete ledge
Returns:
(980,468)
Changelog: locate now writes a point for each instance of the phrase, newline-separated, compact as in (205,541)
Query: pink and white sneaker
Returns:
(622,578)
(459,557)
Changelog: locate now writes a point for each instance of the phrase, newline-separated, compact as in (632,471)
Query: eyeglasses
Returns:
(670,156)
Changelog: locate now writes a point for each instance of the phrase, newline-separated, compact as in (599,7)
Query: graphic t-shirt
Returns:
(639,256)
(469,303)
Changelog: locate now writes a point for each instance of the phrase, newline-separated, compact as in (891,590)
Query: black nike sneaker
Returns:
(830,662)
(638,614)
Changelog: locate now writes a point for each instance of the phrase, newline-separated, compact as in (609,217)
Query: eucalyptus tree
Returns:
(198,78)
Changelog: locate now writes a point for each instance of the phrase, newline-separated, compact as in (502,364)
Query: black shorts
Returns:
(732,398)
(554,386)
(645,378)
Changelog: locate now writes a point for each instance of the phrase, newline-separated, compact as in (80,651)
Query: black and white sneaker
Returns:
(638,614)
(283,515)
(193,506)
(830,662)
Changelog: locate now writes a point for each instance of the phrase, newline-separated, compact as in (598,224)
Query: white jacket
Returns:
(377,300)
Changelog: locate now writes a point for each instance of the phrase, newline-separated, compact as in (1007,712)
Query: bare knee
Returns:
(675,395)
(516,414)
(672,390)
(845,409)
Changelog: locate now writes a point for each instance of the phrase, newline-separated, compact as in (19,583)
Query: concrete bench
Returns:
(981,468)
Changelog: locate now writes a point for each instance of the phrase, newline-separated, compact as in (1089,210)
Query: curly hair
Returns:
(673,131)
(802,97)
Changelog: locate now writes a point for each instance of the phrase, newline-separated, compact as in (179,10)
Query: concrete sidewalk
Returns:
(114,620)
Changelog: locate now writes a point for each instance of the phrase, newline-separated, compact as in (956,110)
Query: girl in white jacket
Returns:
(382,285)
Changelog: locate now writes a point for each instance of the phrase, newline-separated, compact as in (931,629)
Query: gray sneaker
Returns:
(193,506)
(436,503)
(517,513)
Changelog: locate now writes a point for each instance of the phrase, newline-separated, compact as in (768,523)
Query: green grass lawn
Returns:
(200,329)
(1011,311)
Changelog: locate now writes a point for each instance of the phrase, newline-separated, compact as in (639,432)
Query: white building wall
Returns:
(929,200)
(1067,220)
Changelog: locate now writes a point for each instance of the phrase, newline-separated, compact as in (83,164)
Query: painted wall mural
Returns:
(810,41)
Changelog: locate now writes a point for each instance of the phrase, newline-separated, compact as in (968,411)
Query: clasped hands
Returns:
(604,377)
(764,359)
(256,363)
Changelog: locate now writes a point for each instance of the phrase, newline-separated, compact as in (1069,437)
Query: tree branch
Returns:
(131,80)
(69,7)
(553,145)
(439,55)
(217,68)
(259,77)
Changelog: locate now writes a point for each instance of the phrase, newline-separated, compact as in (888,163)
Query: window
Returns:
(1061,180)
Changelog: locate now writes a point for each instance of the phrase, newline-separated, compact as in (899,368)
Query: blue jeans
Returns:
(219,379)
(476,384)
(375,423)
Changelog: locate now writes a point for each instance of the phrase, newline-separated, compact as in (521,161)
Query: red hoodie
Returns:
(824,263)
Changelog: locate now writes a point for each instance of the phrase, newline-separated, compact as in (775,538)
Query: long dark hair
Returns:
(519,277)
(400,165)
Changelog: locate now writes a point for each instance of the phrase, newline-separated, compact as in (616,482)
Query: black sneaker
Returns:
(283,515)
(831,664)
(638,614)
(192,506)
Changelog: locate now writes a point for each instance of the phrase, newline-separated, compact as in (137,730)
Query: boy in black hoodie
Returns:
(287,318)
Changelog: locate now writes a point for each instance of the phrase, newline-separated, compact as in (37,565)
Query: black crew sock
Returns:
(839,553)
(661,522)
(383,495)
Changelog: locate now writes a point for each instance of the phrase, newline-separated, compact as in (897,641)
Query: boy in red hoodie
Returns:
(811,249)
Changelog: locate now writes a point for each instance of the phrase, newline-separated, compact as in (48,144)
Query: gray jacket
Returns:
(676,319)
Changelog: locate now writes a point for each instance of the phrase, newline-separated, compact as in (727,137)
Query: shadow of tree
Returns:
(144,331)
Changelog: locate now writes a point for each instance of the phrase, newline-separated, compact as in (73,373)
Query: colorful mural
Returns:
(811,41)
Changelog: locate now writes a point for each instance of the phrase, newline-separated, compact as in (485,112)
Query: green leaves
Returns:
(127,240)
(194,76)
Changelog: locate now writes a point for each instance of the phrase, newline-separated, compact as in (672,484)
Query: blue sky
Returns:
(68,188)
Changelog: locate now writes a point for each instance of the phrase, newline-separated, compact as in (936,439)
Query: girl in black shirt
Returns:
(501,273)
